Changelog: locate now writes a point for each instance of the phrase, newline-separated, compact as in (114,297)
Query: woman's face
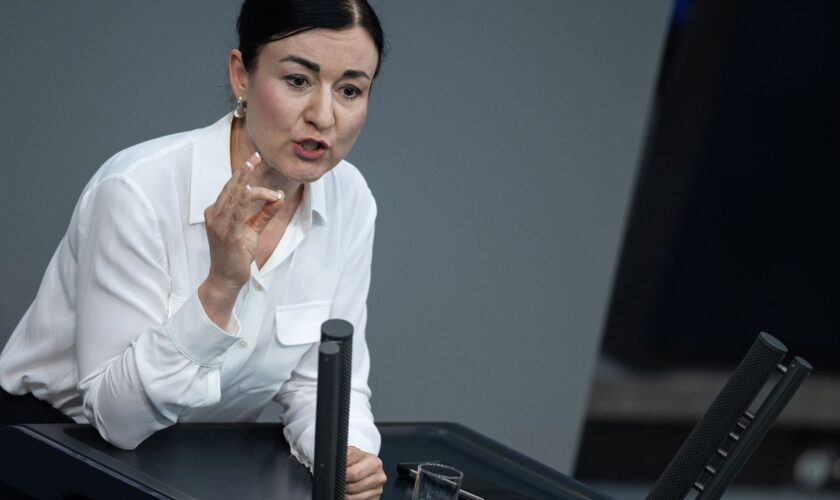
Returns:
(306,100)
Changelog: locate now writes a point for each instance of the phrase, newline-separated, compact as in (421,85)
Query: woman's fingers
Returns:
(273,202)
(264,194)
(238,181)
(365,475)
(366,495)
(233,244)
(240,192)
(371,486)
(233,206)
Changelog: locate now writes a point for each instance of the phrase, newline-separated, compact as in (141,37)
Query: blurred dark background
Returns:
(732,232)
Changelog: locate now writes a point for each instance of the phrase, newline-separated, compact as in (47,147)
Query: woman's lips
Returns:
(310,149)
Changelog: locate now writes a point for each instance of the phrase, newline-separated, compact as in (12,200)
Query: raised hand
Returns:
(233,234)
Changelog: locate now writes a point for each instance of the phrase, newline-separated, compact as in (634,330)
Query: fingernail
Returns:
(247,187)
(257,156)
(248,165)
(280,194)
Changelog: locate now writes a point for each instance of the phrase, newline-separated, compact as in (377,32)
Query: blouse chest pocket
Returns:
(299,324)
(297,328)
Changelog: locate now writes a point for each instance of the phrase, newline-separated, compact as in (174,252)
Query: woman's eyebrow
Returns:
(356,73)
(316,68)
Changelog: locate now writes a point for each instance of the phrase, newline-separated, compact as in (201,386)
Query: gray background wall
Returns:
(501,146)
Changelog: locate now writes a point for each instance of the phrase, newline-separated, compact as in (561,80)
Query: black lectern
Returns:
(223,461)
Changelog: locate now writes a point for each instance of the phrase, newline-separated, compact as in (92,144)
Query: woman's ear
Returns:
(238,74)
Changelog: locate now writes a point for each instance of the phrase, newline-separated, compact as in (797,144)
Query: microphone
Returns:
(326,423)
(732,401)
(333,409)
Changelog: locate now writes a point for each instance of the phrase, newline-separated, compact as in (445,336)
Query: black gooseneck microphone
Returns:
(326,423)
(335,368)
(708,439)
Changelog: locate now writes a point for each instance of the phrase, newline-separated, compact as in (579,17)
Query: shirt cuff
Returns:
(358,439)
(197,337)
(306,458)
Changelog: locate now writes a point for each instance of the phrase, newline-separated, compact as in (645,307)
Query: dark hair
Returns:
(264,21)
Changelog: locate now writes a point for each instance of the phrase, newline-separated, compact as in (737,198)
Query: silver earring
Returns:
(239,109)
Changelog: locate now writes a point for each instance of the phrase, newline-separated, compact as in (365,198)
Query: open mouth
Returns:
(312,145)
(310,149)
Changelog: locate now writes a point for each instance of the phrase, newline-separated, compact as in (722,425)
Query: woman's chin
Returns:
(309,173)
(293,171)
(306,177)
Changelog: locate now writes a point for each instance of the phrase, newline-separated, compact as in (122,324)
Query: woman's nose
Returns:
(319,112)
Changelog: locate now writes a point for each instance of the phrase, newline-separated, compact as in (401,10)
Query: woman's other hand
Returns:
(233,235)
(365,476)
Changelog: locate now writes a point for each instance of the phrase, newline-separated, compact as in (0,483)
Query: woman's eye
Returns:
(297,81)
(350,92)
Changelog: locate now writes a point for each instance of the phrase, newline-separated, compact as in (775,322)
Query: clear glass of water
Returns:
(437,482)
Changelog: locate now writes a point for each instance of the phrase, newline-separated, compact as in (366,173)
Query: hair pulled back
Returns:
(264,21)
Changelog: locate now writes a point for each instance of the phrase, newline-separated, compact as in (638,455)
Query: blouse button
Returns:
(243,343)
(258,287)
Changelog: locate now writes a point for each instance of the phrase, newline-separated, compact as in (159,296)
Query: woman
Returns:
(198,267)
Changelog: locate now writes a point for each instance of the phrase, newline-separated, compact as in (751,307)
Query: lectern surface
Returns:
(249,461)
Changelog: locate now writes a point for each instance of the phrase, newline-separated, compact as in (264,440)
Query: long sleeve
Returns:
(297,396)
(139,365)
(118,337)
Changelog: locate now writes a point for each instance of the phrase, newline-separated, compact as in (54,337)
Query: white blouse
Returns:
(117,336)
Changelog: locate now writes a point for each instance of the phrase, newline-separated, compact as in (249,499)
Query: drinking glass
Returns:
(437,482)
